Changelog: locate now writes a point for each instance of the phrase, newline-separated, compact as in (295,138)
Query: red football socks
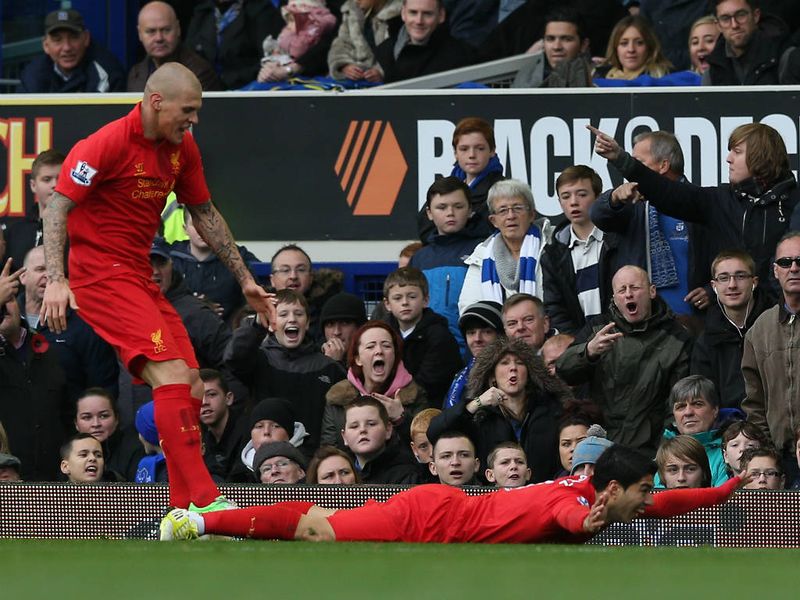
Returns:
(179,431)
(275,522)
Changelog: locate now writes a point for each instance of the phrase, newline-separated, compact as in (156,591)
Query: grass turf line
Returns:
(118,570)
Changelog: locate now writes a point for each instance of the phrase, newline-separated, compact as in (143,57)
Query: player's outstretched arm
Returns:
(214,230)
(57,295)
(672,503)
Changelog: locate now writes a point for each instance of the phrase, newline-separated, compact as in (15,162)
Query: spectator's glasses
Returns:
(768,473)
(517,209)
(302,270)
(785,262)
(738,276)
(278,464)
(740,16)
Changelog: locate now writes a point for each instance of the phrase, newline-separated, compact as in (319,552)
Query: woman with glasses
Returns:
(750,213)
(717,353)
(507,262)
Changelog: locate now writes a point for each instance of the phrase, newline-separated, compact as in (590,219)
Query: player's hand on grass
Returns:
(57,297)
(598,514)
(9,282)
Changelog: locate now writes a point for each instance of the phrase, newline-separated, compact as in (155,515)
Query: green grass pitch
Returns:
(220,570)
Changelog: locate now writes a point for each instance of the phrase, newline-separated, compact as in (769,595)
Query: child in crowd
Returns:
(331,466)
(286,362)
(764,464)
(368,434)
(430,352)
(82,459)
(442,259)
(454,461)
(10,467)
(153,466)
(480,324)
(736,438)
(307,22)
(578,266)
(682,463)
(420,444)
(508,466)
(271,420)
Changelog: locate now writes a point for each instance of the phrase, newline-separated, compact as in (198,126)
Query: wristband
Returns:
(478,400)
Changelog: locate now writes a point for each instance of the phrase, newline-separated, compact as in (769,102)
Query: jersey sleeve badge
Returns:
(83,173)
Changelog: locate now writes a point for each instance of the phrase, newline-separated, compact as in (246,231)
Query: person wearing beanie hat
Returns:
(279,462)
(271,420)
(480,324)
(341,315)
(71,61)
(589,450)
(152,467)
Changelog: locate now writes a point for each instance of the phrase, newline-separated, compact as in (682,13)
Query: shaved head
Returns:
(159,31)
(160,9)
(170,80)
(634,271)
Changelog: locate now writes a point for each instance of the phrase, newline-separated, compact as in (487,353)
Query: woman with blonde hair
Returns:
(633,50)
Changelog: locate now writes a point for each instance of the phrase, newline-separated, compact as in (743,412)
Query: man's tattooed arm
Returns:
(214,230)
(55,234)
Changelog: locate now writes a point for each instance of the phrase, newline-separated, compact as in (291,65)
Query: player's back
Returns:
(542,512)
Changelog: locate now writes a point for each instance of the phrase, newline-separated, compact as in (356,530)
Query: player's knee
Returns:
(166,372)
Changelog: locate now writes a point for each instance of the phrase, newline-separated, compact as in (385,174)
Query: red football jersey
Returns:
(119,181)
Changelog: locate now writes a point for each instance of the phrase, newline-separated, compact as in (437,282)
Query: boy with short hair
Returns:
(454,461)
(420,444)
(285,362)
(442,259)
(577,266)
(24,234)
(82,459)
(507,466)
(430,352)
(368,435)
(764,466)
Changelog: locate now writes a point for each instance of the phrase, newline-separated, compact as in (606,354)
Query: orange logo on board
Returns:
(158,343)
(371,168)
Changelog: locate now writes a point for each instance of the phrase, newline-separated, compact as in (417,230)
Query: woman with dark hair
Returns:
(510,397)
(682,463)
(750,213)
(633,50)
(331,466)
(375,368)
(96,414)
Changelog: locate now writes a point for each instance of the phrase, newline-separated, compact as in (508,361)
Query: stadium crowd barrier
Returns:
(130,511)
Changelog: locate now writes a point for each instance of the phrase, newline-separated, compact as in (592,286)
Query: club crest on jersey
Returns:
(175,161)
(83,173)
(158,343)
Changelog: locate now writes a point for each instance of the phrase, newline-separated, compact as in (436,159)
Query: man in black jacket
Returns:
(746,53)
(423,45)
(71,61)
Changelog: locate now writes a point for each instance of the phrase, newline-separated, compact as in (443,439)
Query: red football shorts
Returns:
(130,313)
(425,513)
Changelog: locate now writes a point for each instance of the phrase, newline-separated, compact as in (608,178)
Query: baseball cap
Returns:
(160,247)
(64,19)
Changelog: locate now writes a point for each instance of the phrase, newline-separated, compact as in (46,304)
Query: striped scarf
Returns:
(499,269)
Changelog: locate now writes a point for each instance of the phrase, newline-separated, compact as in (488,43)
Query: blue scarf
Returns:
(494,166)
(525,280)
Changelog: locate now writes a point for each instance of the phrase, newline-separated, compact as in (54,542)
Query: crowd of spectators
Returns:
(318,44)
(661,310)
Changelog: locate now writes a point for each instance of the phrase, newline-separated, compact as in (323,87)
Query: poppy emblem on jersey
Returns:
(371,168)
(83,173)
(158,343)
(138,169)
(175,161)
